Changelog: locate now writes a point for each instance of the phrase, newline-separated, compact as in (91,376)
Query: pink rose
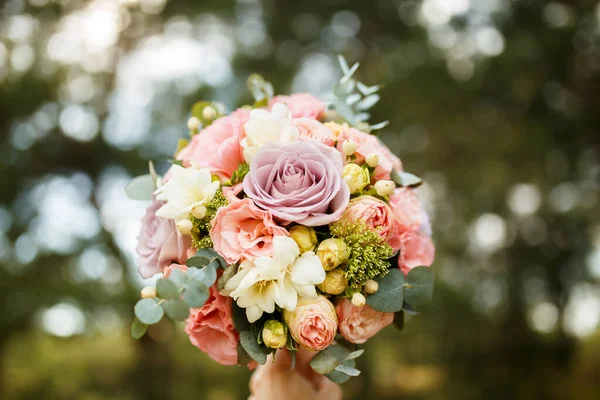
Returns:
(408,215)
(366,145)
(301,105)
(372,211)
(159,243)
(313,324)
(217,147)
(416,249)
(309,128)
(210,329)
(242,230)
(357,324)
(298,182)
(167,271)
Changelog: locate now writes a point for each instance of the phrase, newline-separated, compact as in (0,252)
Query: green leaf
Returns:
(204,257)
(351,371)
(399,320)
(148,312)
(140,188)
(338,377)
(166,289)
(227,275)
(195,294)
(354,354)
(138,329)
(178,277)
(389,297)
(293,357)
(407,308)
(250,344)
(345,111)
(419,286)
(243,356)
(240,321)
(176,309)
(404,179)
(327,360)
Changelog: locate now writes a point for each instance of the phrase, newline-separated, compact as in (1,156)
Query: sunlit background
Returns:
(495,103)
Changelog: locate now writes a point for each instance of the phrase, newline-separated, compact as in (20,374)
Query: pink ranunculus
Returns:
(242,230)
(408,215)
(232,192)
(217,147)
(298,182)
(373,212)
(366,145)
(159,243)
(358,324)
(310,128)
(416,249)
(210,329)
(301,105)
(313,323)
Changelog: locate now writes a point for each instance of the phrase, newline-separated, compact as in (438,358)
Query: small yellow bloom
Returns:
(305,237)
(332,253)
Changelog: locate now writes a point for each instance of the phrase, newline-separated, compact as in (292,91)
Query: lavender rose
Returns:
(159,243)
(298,182)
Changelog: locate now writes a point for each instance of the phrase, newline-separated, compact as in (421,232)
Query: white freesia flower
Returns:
(264,127)
(265,282)
(187,188)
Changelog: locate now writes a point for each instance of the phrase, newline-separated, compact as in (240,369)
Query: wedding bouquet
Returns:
(284,224)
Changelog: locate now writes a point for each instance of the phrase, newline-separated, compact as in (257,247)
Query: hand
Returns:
(278,380)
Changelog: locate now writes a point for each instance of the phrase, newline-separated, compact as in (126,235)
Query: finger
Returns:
(329,390)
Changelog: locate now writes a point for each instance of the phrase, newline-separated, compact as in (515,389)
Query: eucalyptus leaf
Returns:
(166,289)
(368,102)
(176,309)
(345,111)
(148,312)
(338,377)
(140,188)
(404,179)
(419,286)
(250,344)
(354,354)
(195,294)
(243,356)
(138,329)
(227,275)
(343,64)
(351,371)
(178,277)
(327,360)
(389,297)
(367,90)
(409,309)
(378,126)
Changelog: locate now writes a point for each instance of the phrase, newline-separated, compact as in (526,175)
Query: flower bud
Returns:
(356,177)
(209,113)
(199,211)
(335,282)
(148,292)
(349,147)
(313,324)
(332,253)
(185,226)
(274,334)
(384,187)
(372,160)
(358,300)
(371,286)
(305,237)
(193,123)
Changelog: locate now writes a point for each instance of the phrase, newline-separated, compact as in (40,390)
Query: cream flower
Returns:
(188,188)
(264,127)
(265,282)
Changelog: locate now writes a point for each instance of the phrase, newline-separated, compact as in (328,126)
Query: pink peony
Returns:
(298,182)
(301,105)
(217,147)
(242,230)
(159,243)
(416,249)
(313,324)
(309,128)
(408,215)
(366,145)
(374,212)
(211,329)
(357,324)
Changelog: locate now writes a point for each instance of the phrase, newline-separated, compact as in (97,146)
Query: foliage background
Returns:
(494,103)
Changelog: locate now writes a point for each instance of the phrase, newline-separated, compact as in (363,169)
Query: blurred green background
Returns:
(495,103)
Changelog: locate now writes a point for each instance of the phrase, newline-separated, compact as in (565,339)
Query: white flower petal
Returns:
(289,296)
(308,270)
(253,313)
(285,250)
(306,290)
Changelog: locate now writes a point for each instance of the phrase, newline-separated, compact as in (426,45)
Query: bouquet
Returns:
(284,224)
